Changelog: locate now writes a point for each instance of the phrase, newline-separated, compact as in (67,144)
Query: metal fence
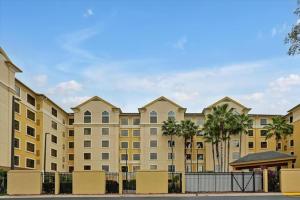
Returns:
(65,183)
(273,181)
(174,182)
(3,182)
(112,182)
(129,182)
(224,182)
(48,180)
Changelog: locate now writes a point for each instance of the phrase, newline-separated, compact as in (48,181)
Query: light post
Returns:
(12,146)
(45,151)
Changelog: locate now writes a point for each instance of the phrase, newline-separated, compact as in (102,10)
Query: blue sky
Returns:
(130,52)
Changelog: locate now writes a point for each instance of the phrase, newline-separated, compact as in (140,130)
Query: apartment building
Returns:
(99,136)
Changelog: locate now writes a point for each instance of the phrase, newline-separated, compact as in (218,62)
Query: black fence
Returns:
(48,182)
(129,182)
(3,182)
(224,182)
(65,183)
(174,182)
(273,181)
(112,182)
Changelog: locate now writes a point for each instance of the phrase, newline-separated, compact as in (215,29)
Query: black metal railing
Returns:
(174,182)
(48,182)
(112,182)
(65,183)
(129,182)
(3,182)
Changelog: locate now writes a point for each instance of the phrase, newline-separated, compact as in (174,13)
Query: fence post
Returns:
(243,181)
(265,180)
(231,181)
(120,182)
(253,181)
(57,185)
(183,182)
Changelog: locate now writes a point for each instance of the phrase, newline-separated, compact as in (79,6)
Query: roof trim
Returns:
(162,98)
(93,99)
(295,107)
(8,61)
(229,99)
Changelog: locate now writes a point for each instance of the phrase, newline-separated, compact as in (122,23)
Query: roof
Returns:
(263,156)
(264,115)
(8,61)
(193,114)
(295,107)
(162,98)
(95,98)
(129,114)
(226,99)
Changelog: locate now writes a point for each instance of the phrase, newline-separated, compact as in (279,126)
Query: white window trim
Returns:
(51,153)
(90,154)
(102,156)
(34,115)
(87,147)
(136,154)
(123,135)
(69,132)
(150,117)
(105,116)
(30,151)
(19,161)
(26,158)
(267,144)
(124,154)
(150,156)
(69,144)
(69,157)
(108,143)
(105,165)
(30,103)
(105,128)
(135,135)
(19,143)
(30,135)
(153,128)
(19,126)
(124,142)
(150,144)
(20,110)
(133,145)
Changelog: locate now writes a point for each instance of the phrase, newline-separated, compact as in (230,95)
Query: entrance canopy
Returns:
(264,160)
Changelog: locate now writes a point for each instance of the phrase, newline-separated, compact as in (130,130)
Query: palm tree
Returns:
(279,128)
(209,136)
(243,124)
(188,130)
(171,128)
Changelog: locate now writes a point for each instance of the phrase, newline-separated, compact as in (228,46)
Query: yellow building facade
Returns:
(99,136)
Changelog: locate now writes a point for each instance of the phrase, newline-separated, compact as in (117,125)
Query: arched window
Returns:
(153,117)
(87,117)
(105,117)
(171,115)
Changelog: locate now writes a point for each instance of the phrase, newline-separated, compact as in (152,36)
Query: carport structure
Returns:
(264,160)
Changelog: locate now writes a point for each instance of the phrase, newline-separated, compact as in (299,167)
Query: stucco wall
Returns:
(88,182)
(289,180)
(151,182)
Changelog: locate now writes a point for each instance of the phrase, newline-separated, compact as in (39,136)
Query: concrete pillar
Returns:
(57,183)
(183,182)
(120,183)
(265,180)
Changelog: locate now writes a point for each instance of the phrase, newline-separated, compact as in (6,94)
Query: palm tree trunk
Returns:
(185,154)
(218,154)
(172,149)
(222,160)
(228,153)
(213,154)
(240,145)
(225,153)
(192,154)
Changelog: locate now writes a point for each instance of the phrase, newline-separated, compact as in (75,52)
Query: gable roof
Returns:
(8,61)
(295,107)
(94,98)
(162,98)
(226,98)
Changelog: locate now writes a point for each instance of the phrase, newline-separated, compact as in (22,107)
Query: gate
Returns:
(174,182)
(65,183)
(111,182)
(273,181)
(48,180)
(129,182)
(224,182)
(3,182)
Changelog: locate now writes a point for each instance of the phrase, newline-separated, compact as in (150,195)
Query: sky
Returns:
(130,52)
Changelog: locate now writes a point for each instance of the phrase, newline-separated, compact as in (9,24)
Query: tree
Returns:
(210,136)
(279,129)
(243,124)
(293,38)
(171,128)
(188,130)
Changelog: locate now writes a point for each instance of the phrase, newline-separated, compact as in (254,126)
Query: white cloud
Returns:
(65,88)
(89,12)
(180,43)
(40,80)
(286,83)
(72,101)
(279,29)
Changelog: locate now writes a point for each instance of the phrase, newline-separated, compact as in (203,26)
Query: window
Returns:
(105,117)
(263,133)
(292,153)
(71,121)
(136,168)
(153,156)
(136,133)
(235,155)
(30,147)
(285,148)
(30,115)
(71,145)
(279,145)
(54,139)
(105,156)
(124,133)
(153,117)
(105,143)
(200,168)
(17,107)
(171,143)
(124,157)
(291,143)
(263,122)
(87,118)
(250,145)
(200,133)
(250,133)
(54,112)
(17,125)
(136,145)
(235,143)
(153,167)
(53,152)
(153,143)
(171,115)
(105,168)
(124,145)
(251,124)
(87,156)
(291,119)
(136,156)
(31,100)
(17,143)
(188,157)
(30,163)
(71,169)
(87,131)
(16,160)
(263,145)
(87,143)
(188,145)
(105,131)
(71,156)
(200,145)
(200,156)
(30,131)
(18,91)
(124,121)
(153,131)
(171,156)
(71,133)
(136,121)
(53,166)
(87,167)
(124,169)
(171,168)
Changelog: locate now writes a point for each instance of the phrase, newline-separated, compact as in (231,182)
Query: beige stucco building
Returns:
(99,136)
